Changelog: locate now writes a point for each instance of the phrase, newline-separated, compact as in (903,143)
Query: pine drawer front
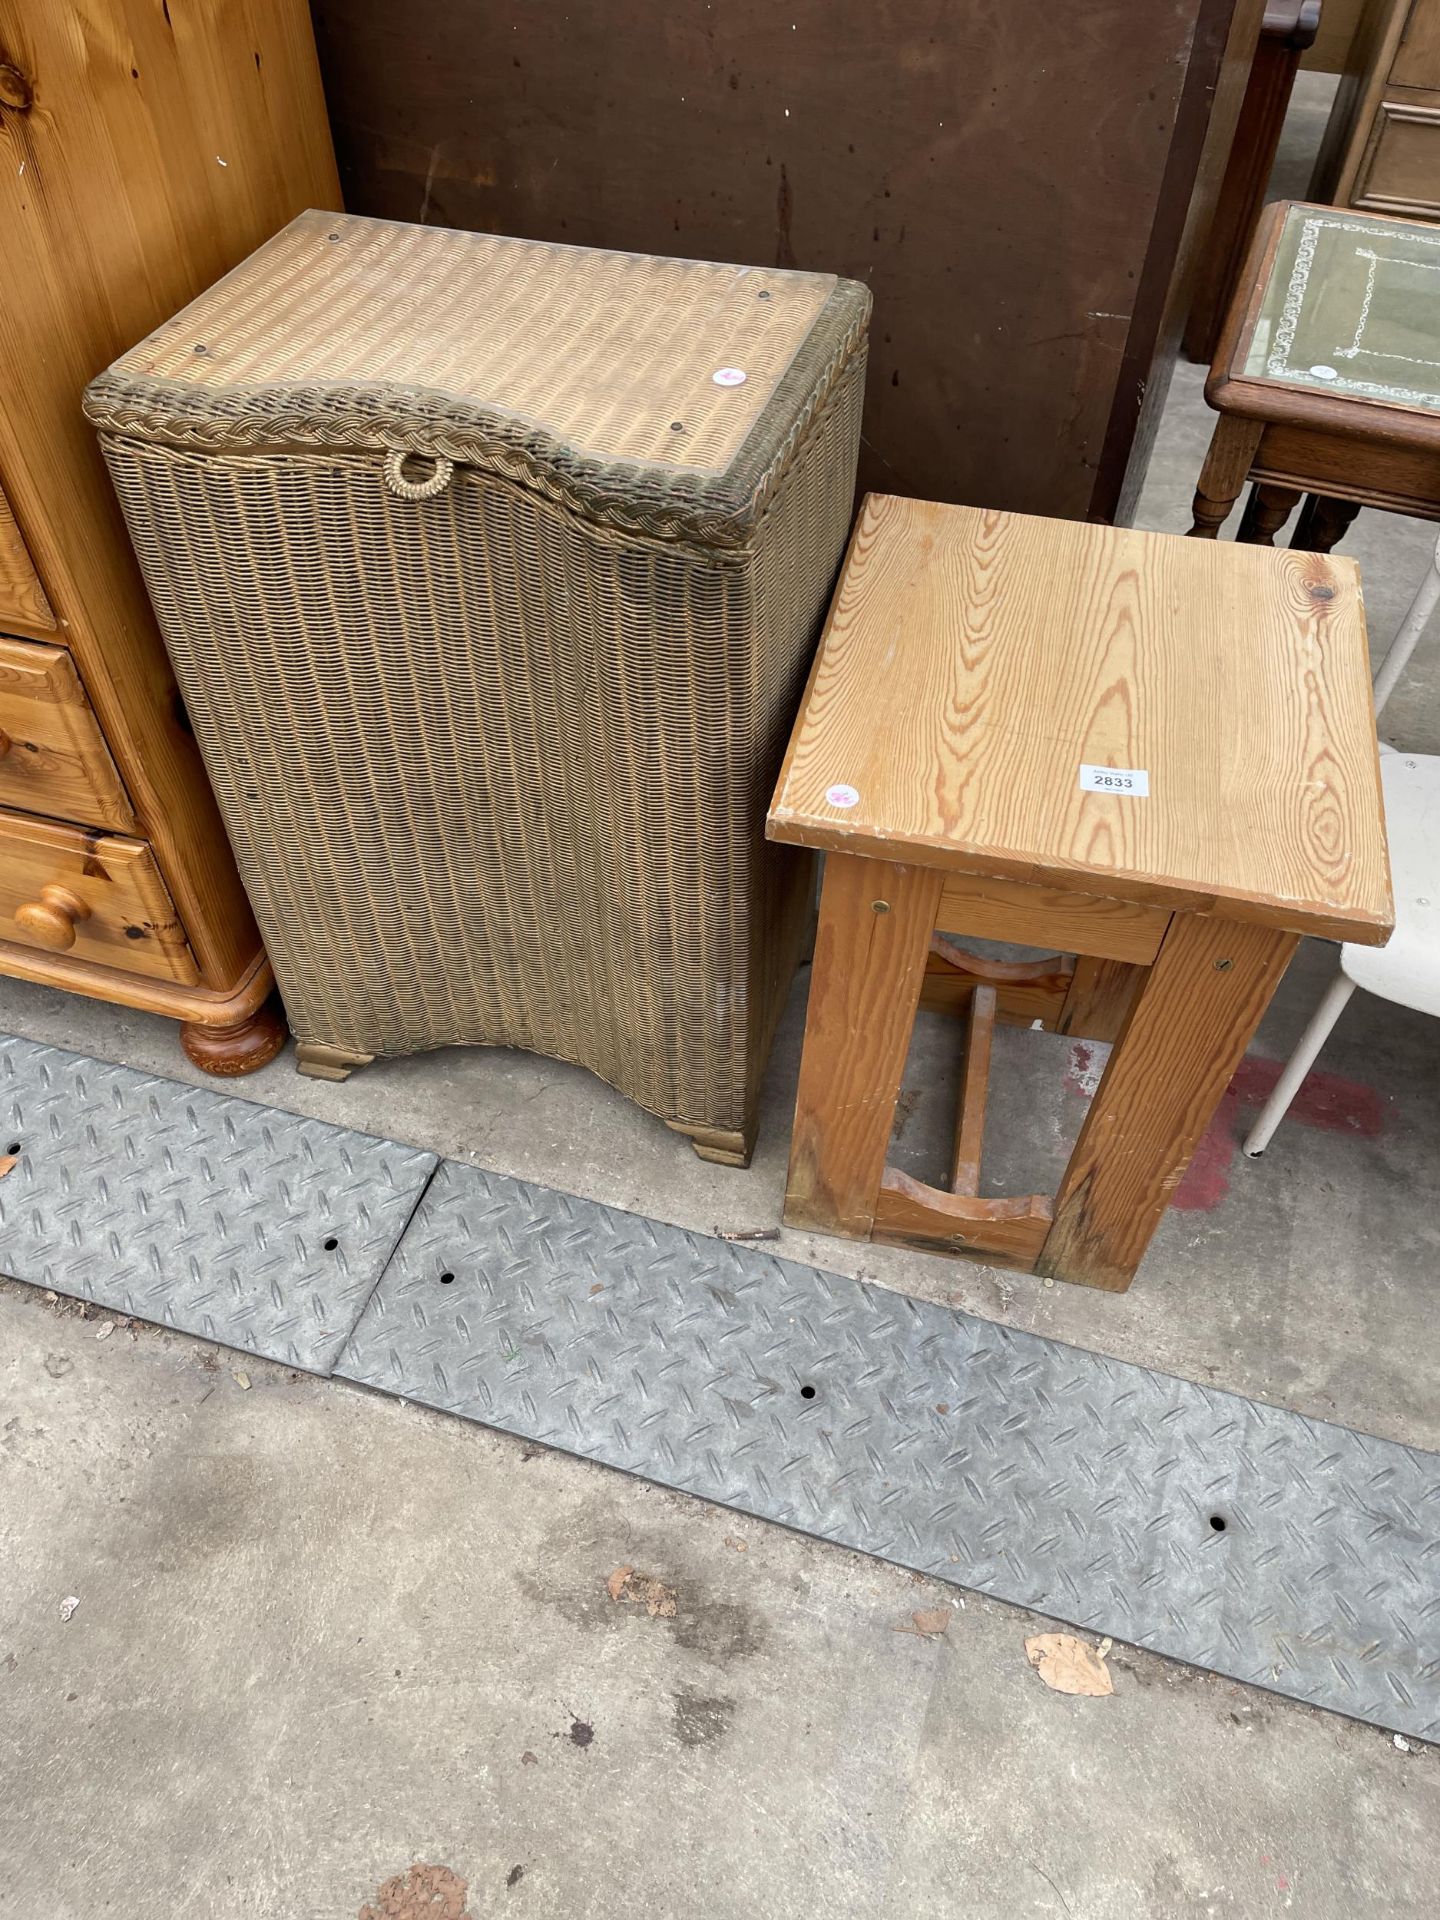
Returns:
(53,756)
(92,896)
(22,598)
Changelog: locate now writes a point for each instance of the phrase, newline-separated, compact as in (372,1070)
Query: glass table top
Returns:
(1352,305)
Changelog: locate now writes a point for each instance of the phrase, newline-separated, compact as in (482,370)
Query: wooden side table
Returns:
(1327,377)
(1155,756)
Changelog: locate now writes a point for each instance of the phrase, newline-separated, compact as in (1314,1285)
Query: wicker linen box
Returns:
(491,571)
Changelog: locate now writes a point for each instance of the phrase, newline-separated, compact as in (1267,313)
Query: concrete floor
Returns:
(323,1635)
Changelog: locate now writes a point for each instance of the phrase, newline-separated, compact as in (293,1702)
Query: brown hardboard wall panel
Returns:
(1009,177)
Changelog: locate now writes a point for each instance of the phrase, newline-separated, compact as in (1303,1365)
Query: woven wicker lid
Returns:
(679,388)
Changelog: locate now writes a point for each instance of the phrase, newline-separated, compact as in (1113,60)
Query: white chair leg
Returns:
(1411,628)
(1337,995)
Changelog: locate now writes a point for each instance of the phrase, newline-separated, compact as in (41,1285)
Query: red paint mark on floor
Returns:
(1325,1100)
(1207,1178)
(1086,1064)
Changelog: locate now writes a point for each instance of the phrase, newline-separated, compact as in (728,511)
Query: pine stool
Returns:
(1327,377)
(1152,756)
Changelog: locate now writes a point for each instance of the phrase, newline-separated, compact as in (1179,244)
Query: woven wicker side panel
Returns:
(797,562)
(494,774)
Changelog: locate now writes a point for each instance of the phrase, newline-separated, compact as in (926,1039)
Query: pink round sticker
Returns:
(842,796)
(729,377)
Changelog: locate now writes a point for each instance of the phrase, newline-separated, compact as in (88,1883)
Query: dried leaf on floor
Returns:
(736,1545)
(528,1759)
(242,1380)
(104,1333)
(929,1623)
(424,1893)
(1067,1665)
(640,1589)
(68,1606)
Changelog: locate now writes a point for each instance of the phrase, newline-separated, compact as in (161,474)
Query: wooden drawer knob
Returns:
(50,920)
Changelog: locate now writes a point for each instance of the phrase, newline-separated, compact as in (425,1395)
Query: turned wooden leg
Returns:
(1223,476)
(244,1048)
(871,946)
(1200,1002)
(1266,512)
(1323,523)
(320,1062)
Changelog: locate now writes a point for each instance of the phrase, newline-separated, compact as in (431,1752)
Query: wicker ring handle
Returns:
(417,489)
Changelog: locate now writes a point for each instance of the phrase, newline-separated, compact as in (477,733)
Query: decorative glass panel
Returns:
(1352,306)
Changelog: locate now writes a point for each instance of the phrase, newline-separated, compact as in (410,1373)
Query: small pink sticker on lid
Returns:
(842,796)
(729,376)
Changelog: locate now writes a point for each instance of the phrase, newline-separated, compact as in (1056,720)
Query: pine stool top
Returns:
(1153,719)
(1154,757)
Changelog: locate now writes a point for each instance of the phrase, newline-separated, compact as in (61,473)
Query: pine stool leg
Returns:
(1191,1023)
(1101,995)
(871,946)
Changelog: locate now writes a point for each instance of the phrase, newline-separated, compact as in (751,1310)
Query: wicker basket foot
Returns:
(320,1062)
(711,1143)
(244,1048)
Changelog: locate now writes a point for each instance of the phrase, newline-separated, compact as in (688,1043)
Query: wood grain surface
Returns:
(871,948)
(126,917)
(195,1005)
(1102,992)
(974,660)
(22,598)
(162,144)
(974,1093)
(53,756)
(1075,922)
(910,1214)
(1025,992)
(1200,1003)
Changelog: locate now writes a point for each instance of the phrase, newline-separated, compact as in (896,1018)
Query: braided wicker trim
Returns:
(664,502)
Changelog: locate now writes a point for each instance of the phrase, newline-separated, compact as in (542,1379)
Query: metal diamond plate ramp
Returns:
(194,1209)
(1294,1555)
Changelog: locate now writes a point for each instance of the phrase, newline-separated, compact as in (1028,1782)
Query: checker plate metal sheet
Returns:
(1052,1478)
(195,1209)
